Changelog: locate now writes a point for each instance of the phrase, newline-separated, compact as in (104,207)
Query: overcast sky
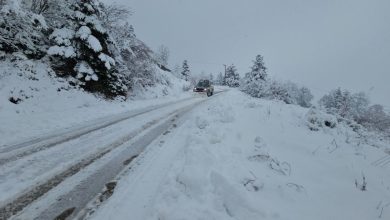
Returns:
(323,44)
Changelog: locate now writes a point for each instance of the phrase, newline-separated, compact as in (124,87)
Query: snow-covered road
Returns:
(75,163)
(226,157)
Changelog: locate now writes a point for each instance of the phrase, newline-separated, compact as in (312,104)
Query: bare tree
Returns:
(162,55)
(39,6)
(114,14)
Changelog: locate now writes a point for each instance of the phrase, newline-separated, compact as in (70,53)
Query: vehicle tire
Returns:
(209,94)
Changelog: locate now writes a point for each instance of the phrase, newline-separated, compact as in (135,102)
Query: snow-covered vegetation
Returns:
(356,107)
(86,43)
(258,84)
(240,157)
(259,148)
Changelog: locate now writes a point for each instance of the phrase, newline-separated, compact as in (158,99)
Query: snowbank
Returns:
(238,157)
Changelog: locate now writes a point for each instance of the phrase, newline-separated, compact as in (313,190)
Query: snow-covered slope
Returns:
(34,101)
(237,157)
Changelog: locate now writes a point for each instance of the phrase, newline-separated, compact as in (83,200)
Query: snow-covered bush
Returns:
(257,84)
(376,118)
(344,103)
(298,95)
(317,120)
(356,107)
(85,41)
(22,31)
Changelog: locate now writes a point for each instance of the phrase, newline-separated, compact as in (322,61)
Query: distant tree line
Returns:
(341,103)
(257,84)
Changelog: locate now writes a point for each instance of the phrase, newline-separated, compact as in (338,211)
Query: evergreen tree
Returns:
(185,71)
(232,78)
(254,82)
(22,31)
(81,49)
(258,70)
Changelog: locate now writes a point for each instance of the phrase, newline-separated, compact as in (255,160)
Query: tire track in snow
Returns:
(30,196)
(42,143)
(382,162)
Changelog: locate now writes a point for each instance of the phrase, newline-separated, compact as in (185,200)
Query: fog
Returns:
(320,44)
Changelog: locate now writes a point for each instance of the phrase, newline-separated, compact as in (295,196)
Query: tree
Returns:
(376,118)
(258,70)
(177,70)
(304,97)
(39,6)
(345,103)
(220,79)
(114,15)
(298,95)
(232,78)
(22,31)
(83,49)
(254,82)
(162,55)
(185,71)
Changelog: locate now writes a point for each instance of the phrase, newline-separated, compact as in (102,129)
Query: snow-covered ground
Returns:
(238,157)
(48,104)
(232,157)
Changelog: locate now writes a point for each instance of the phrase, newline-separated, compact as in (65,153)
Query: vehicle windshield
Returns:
(202,84)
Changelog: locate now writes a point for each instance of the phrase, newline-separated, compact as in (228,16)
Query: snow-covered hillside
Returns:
(34,101)
(237,157)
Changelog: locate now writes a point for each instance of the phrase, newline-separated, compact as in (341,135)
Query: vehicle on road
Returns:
(204,86)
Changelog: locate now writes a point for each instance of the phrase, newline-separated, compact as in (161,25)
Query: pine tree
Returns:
(258,70)
(185,71)
(232,78)
(255,81)
(81,49)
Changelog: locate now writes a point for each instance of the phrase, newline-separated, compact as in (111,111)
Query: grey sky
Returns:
(322,44)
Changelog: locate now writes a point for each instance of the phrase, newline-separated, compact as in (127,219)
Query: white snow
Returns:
(79,15)
(108,61)
(237,157)
(62,36)
(83,32)
(64,51)
(94,43)
(84,70)
(232,157)
(48,104)
(96,23)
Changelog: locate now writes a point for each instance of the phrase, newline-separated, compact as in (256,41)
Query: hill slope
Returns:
(243,158)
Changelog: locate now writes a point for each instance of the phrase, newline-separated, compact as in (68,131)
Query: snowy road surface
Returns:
(225,157)
(99,149)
